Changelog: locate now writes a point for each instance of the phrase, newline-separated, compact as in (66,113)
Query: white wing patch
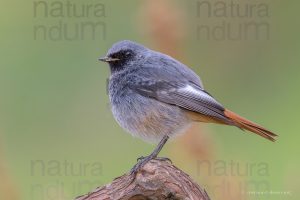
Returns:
(197,93)
(190,89)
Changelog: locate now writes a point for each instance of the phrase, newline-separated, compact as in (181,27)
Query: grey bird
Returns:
(155,97)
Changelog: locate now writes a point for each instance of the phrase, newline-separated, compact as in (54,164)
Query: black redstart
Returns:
(154,97)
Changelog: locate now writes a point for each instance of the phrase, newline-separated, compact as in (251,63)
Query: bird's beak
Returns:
(108,59)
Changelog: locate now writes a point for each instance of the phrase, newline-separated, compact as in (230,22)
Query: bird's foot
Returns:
(140,158)
(164,159)
(142,161)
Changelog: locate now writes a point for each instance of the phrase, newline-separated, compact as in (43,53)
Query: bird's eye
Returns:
(122,55)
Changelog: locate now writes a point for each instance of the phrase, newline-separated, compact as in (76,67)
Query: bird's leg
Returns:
(143,160)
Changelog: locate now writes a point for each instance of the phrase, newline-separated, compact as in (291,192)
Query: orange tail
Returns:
(250,126)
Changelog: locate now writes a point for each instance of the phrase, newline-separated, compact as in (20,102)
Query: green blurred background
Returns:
(58,138)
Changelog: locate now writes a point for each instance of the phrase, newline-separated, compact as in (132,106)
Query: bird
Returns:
(155,97)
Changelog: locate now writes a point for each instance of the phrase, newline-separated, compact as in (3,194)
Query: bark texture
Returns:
(158,179)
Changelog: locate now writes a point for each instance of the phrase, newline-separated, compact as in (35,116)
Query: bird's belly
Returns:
(149,119)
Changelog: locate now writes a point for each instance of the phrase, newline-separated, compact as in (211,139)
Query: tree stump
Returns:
(158,179)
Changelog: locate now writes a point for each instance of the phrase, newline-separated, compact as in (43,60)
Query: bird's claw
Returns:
(141,161)
(164,159)
(140,158)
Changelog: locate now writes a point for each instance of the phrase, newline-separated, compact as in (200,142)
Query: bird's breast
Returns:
(145,117)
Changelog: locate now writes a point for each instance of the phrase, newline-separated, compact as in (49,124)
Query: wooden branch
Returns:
(158,179)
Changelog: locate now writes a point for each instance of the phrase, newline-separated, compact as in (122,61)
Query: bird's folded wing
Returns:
(183,94)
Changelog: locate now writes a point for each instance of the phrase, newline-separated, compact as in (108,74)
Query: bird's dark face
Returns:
(123,54)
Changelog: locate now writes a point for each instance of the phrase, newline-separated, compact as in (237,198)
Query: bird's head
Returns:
(124,54)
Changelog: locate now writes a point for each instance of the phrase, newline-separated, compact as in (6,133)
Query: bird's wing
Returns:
(173,68)
(183,94)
